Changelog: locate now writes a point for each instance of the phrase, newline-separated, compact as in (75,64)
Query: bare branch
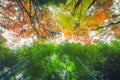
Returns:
(91,4)
(77,4)
(22,6)
(108,25)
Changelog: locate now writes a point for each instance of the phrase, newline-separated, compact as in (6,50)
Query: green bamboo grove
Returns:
(68,61)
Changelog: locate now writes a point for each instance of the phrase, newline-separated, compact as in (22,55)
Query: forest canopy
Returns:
(59,39)
(86,21)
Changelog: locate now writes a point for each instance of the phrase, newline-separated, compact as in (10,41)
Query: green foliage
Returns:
(109,61)
(78,12)
(53,2)
(71,61)
(66,20)
(7,58)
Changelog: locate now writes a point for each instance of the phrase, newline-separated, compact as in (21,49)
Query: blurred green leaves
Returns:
(53,2)
(72,61)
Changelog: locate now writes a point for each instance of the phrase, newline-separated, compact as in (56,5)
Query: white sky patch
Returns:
(7,34)
(14,42)
(22,42)
(59,38)
(54,10)
(16,8)
(106,20)
(107,38)
(116,7)
(13,18)
(93,36)
(93,33)
(90,11)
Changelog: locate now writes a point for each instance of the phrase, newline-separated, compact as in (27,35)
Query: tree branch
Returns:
(22,6)
(108,25)
(91,3)
(77,4)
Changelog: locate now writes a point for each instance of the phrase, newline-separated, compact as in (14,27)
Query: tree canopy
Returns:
(76,19)
(30,29)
